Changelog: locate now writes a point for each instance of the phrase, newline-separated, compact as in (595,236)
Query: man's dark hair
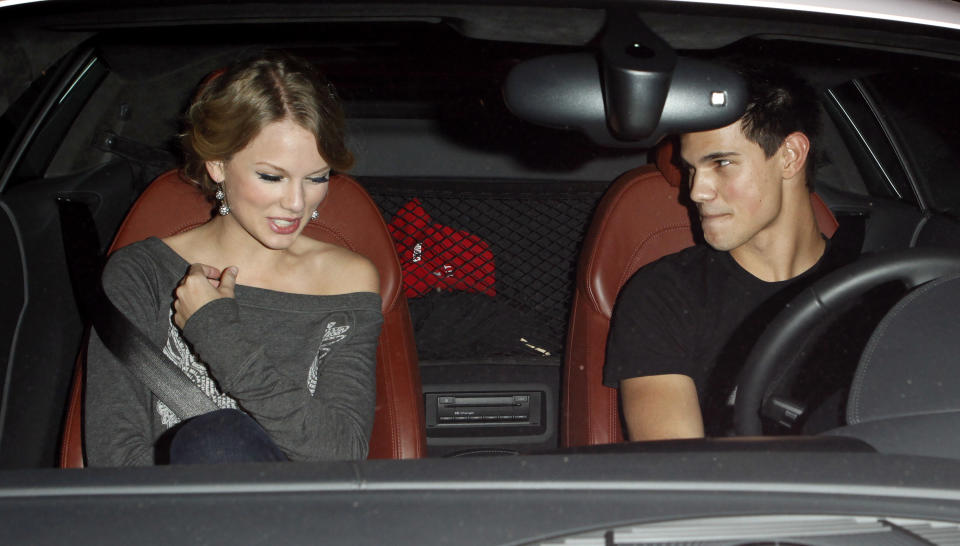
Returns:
(780,103)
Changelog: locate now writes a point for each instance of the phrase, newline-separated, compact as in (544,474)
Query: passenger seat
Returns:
(349,218)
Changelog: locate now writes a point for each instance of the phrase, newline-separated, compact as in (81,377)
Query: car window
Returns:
(836,167)
(18,109)
(926,129)
(67,103)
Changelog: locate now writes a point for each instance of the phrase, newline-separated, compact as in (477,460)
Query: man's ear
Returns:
(216,171)
(795,151)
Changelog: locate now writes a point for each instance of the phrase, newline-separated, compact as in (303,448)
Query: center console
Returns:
(482,405)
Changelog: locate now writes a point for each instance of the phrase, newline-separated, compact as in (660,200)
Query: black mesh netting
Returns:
(488,267)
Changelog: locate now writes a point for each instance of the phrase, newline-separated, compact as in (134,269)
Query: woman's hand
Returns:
(201,285)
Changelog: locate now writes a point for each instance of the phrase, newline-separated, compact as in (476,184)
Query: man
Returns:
(684,325)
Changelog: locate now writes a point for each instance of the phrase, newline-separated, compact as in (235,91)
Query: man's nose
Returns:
(702,188)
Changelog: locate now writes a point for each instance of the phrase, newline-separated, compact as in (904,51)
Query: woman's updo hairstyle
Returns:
(232,107)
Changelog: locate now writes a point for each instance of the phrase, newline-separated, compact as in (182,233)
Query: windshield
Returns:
(508,258)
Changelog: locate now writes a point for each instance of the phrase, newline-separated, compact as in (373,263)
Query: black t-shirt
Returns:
(698,313)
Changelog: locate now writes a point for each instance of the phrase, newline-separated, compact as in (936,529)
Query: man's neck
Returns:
(785,249)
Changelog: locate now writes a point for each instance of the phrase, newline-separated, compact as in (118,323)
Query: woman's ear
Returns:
(795,150)
(216,171)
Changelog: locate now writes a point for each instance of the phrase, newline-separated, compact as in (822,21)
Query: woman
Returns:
(280,330)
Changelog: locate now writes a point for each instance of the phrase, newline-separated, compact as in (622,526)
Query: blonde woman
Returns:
(278,329)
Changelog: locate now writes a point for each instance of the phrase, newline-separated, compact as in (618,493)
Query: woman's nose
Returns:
(293,197)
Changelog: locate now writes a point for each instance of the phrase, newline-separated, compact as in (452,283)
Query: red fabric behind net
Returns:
(438,257)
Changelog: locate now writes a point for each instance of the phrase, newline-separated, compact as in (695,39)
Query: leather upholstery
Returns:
(641,218)
(349,218)
(905,398)
(908,367)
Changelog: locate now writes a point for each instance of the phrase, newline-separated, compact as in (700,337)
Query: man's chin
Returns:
(719,243)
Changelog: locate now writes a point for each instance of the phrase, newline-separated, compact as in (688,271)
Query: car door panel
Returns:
(64,225)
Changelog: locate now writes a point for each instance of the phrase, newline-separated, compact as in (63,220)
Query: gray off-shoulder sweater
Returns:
(302,366)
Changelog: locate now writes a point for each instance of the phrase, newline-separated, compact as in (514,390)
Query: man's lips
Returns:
(713,215)
(284,226)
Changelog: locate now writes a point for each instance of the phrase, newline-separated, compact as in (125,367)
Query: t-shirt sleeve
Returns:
(117,411)
(332,424)
(651,331)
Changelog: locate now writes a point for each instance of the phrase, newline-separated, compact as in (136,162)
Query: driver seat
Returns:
(905,396)
(643,216)
(349,218)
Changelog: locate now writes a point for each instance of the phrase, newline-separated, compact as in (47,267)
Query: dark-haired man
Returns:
(684,325)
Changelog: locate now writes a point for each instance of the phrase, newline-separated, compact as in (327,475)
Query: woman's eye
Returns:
(269,177)
(319,179)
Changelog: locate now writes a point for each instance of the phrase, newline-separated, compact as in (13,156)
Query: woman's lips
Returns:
(284,226)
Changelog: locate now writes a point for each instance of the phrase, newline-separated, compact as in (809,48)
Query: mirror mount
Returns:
(637,67)
(631,94)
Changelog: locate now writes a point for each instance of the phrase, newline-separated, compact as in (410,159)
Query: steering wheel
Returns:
(825,298)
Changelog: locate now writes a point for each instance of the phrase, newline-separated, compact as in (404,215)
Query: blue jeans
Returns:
(223,436)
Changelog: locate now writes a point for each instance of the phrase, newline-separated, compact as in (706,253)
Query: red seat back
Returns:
(349,218)
(640,219)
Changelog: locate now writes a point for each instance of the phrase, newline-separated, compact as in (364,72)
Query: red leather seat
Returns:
(349,218)
(640,219)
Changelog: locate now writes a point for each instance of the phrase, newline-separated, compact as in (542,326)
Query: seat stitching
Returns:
(627,273)
(866,361)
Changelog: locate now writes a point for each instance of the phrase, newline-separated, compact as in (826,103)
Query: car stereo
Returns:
(483,409)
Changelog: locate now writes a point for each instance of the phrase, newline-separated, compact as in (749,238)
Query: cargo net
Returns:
(487,273)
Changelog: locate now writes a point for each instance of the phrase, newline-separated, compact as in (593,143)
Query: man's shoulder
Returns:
(658,317)
(679,266)
(690,256)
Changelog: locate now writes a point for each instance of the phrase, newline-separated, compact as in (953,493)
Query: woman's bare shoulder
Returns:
(185,243)
(342,271)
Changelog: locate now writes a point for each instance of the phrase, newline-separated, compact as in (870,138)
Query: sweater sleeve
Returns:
(332,424)
(118,415)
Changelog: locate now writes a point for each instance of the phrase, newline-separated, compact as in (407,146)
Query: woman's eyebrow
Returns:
(271,165)
(321,170)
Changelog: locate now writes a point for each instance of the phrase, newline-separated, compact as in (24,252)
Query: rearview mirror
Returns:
(638,90)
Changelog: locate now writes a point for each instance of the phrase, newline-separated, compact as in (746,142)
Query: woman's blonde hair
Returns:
(233,106)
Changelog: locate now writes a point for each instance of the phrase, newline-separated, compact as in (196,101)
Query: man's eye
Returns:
(319,179)
(269,177)
(722,162)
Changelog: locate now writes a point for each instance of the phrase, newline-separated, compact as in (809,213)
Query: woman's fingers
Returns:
(228,280)
(202,284)
(203,269)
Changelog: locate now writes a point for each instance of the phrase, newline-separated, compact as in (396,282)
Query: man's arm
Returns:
(661,407)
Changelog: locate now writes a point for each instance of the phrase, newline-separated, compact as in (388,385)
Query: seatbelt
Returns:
(121,337)
(850,235)
(146,362)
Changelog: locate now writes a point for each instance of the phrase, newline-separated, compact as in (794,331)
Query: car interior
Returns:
(503,224)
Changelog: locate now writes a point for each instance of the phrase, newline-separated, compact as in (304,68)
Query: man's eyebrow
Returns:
(717,155)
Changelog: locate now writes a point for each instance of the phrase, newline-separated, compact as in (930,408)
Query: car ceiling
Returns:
(685,25)
(33,36)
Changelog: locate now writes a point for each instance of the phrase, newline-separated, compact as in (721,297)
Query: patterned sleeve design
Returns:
(332,335)
(177,351)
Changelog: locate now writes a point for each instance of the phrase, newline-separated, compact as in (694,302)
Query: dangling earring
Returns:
(222,197)
(315,214)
